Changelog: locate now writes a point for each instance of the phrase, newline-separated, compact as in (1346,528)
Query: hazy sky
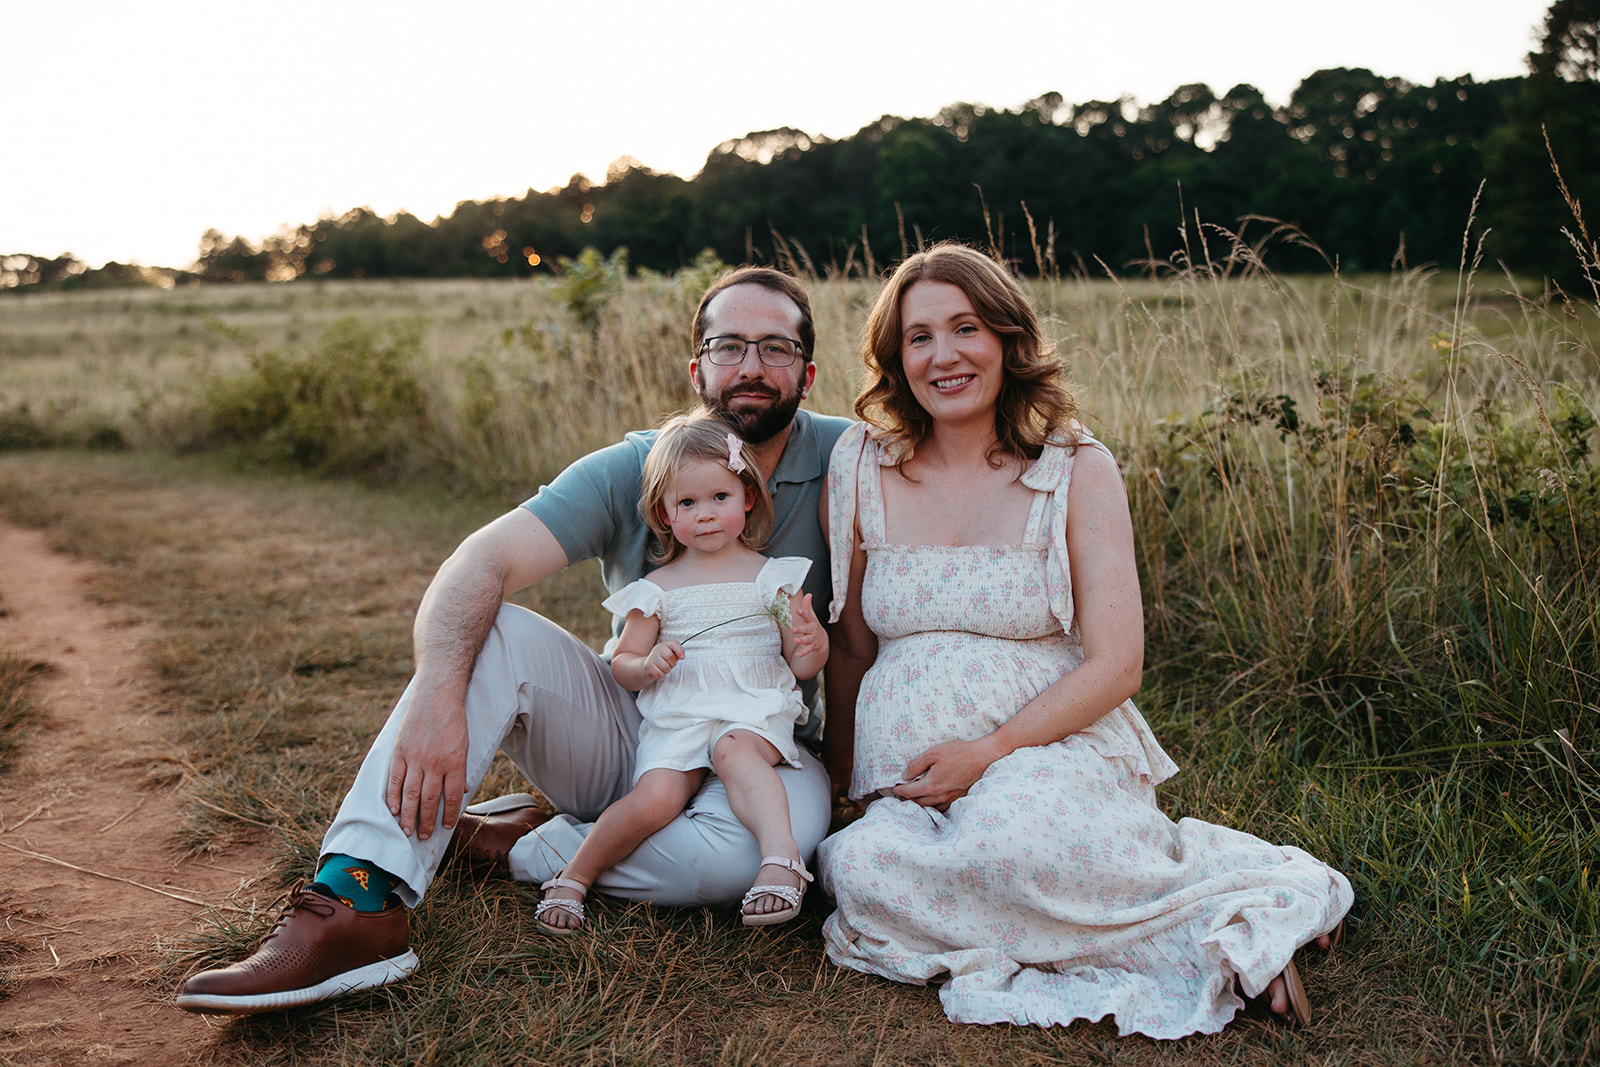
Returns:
(129,128)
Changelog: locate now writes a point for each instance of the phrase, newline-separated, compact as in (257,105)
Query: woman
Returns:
(1011,840)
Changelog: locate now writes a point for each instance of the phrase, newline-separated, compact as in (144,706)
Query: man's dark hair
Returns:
(767,278)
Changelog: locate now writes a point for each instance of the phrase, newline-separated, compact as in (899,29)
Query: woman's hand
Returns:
(942,775)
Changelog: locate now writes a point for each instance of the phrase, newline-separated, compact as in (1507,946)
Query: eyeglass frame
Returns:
(744,353)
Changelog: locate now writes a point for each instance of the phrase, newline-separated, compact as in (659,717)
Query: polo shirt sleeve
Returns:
(594,504)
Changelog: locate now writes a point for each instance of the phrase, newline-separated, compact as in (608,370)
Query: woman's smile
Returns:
(953,361)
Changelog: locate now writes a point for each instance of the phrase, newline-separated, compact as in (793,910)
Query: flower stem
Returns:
(724,622)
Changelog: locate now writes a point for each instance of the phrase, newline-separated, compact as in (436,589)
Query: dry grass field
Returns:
(1368,514)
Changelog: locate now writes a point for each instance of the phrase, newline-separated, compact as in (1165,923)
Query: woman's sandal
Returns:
(1299,1006)
(573,908)
(789,894)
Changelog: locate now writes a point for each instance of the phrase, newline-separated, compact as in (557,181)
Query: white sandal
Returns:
(573,908)
(789,894)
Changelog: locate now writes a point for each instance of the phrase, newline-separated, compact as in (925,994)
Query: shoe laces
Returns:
(299,898)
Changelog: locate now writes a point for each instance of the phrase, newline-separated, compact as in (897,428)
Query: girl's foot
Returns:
(776,897)
(561,911)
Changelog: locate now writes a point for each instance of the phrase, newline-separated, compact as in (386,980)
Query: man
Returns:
(491,676)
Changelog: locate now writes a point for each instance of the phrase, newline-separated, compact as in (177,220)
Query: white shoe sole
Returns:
(499,805)
(371,976)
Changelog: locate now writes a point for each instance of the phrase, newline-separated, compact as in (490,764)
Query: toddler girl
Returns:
(713,642)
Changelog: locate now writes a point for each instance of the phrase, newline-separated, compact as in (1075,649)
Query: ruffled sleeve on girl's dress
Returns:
(785,573)
(643,596)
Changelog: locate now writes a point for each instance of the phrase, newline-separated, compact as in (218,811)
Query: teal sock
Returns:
(362,885)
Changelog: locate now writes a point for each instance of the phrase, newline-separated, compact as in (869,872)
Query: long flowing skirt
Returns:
(1056,890)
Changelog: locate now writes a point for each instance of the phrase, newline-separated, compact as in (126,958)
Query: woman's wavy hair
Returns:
(698,435)
(1035,403)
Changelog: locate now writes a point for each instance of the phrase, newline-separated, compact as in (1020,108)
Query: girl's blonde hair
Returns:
(699,435)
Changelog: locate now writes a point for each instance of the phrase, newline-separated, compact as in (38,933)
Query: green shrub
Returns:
(352,406)
(1327,559)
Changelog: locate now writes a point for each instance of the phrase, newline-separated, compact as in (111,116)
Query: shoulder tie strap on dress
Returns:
(1052,473)
(844,467)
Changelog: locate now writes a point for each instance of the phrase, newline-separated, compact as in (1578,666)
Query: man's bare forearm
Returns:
(454,619)
(463,600)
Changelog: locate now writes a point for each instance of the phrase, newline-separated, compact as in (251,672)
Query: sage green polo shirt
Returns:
(592,509)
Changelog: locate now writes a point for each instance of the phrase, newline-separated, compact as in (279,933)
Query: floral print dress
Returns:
(1056,889)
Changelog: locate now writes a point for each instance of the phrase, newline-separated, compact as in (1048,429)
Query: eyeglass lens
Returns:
(729,350)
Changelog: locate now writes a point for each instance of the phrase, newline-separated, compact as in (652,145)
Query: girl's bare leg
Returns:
(655,800)
(746,764)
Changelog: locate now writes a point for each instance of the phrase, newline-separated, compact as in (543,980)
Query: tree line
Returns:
(1367,170)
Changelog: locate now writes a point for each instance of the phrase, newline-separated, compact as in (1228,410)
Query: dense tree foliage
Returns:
(1370,170)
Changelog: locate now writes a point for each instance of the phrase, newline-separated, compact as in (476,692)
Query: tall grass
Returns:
(1368,515)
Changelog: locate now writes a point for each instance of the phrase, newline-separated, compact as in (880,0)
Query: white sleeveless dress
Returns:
(732,677)
(1055,889)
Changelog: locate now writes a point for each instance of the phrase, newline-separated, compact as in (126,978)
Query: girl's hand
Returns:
(809,636)
(662,659)
(805,642)
(943,774)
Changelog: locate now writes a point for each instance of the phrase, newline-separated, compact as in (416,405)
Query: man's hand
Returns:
(942,775)
(429,767)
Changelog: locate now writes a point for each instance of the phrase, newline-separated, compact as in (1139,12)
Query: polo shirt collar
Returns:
(801,461)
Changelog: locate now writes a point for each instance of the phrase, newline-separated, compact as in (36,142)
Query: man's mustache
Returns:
(753,390)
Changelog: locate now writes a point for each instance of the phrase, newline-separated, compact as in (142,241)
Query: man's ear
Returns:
(694,376)
(808,379)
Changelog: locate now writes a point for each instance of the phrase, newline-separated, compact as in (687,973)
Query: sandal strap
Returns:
(787,893)
(784,861)
(564,883)
(573,908)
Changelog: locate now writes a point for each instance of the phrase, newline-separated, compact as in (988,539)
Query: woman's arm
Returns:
(638,659)
(853,648)
(1110,615)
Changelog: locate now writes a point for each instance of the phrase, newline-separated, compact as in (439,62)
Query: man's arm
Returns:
(429,767)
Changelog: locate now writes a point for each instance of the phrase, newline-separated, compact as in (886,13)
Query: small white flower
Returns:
(780,610)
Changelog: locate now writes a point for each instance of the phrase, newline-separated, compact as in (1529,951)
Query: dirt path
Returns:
(82,947)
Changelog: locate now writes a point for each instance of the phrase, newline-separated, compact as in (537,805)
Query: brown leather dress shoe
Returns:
(485,832)
(319,948)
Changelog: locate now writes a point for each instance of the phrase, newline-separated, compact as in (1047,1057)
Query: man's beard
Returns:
(755,426)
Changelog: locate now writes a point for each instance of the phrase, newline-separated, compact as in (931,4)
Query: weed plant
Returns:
(1367,512)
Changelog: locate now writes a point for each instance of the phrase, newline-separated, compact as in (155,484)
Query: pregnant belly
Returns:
(945,685)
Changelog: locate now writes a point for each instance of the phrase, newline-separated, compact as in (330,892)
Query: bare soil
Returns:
(83,942)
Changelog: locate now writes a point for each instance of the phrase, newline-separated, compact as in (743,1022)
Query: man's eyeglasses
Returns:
(728,350)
